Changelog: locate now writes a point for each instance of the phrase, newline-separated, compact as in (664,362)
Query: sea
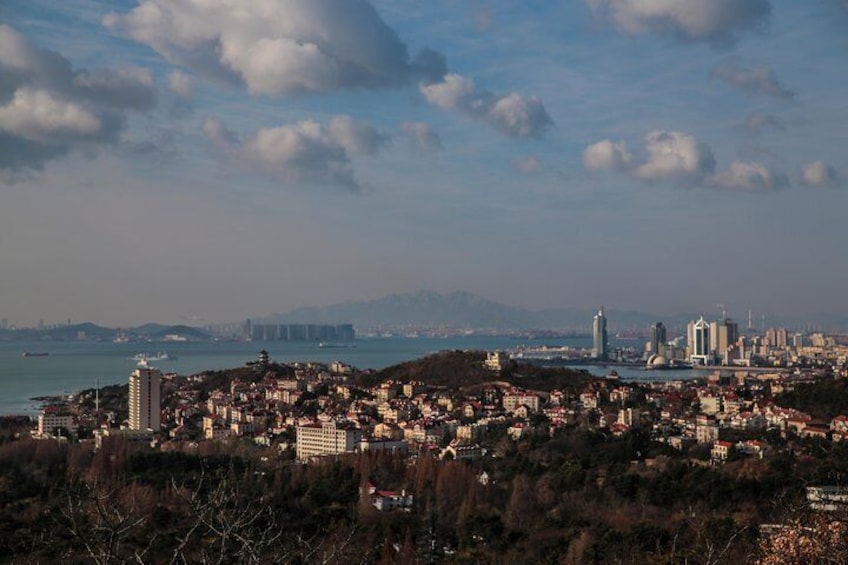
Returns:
(70,367)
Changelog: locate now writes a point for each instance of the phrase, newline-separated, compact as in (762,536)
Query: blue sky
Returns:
(213,160)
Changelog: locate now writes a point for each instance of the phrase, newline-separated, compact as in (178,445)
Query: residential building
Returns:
(326,439)
(54,421)
(144,399)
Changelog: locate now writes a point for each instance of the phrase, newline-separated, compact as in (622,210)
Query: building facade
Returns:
(658,338)
(326,439)
(699,342)
(600,339)
(145,401)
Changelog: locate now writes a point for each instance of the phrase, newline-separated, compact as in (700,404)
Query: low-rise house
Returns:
(463,451)
(752,447)
(721,451)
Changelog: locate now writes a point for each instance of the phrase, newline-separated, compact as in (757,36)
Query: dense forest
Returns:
(577,497)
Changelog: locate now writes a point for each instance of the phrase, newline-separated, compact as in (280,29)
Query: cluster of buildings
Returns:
(298,332)
(741,405)
(722,343)
(318,410)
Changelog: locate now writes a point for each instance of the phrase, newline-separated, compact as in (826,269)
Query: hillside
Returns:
(464,369)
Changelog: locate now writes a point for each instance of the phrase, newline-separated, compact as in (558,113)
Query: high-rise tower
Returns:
(145,399)
(600,341)
(658,338)
(698,335)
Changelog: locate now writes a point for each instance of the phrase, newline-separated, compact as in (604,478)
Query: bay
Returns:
(70,367)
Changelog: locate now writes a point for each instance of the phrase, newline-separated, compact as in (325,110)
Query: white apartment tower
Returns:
(699,342)
(145,399)
(600,340)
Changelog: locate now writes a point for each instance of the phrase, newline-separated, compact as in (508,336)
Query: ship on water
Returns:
(32,354)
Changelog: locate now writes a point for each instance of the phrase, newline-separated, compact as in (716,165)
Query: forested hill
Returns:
(823,399)
(464,369)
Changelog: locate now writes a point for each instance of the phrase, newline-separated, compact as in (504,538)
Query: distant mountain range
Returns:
(456,310)
(89,331)
(463,309)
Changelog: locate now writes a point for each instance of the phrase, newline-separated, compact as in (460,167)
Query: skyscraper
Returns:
(600,341)
(723,334)
(145,399)
(658,338)
(698,336)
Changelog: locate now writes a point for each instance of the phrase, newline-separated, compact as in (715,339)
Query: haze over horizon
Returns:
(207,161)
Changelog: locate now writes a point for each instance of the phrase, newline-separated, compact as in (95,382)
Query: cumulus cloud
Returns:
(421,136)
(355,136)
(513,115)
(676,157)
(755,122)
(756,81)
(679,158)
(819,173)
(712,21)
(307,151)
(746,176)
(607,155)
(278,47)
(48,108)
(37,116)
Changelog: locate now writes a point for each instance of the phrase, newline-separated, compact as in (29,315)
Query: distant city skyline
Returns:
(166,161)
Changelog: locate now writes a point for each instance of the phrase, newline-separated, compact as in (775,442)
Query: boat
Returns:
(161,356)
(328,345)
(31,354)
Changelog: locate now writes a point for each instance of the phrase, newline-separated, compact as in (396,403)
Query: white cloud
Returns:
(528,165)
(181,85)
(679,158)
(607,155)
(307,151)
(513,115)
(278,47)
(676,157)
(421,136)
(819,173)
(357,137)
(753,81)
(49,108)
(746,176)
(21,61)
(37,116)
(712,21)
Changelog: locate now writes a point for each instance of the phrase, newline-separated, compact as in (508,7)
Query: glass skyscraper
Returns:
(600,340)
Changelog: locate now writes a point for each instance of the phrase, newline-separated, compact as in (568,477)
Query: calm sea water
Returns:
(74,366)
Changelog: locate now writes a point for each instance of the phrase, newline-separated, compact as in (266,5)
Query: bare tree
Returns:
(104,523)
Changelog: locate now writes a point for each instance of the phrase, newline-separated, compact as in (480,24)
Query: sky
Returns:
(195,161)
